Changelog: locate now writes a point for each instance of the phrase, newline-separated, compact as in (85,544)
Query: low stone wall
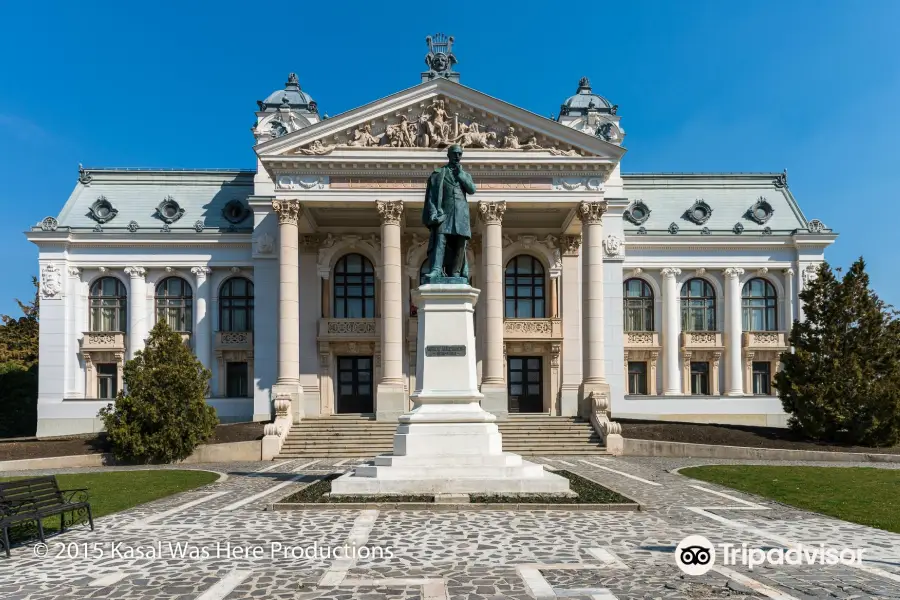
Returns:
(206,453)
(683,450)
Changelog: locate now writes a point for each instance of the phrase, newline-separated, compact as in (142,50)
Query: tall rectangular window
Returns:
(762,378)
(236,383)
(107,380)
(637,378)
(700,378)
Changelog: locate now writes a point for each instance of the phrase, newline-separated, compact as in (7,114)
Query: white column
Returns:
(572,366)
(137,309)
(288,383)
(390,399)
(734,384)
(493,382)
(788,300)
(591,215)
(671,332)
(202,324)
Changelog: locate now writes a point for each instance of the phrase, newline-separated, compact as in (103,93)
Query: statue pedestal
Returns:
(448,443)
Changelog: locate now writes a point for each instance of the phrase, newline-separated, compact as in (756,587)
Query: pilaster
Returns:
(137,309)
(733,328)
(202,325)
(571,320)
(671,332)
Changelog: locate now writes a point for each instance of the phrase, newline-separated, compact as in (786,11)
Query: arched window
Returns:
(759,302)
(638,305)
(109,302)
(354,288)
(175,303)
(698,306)
(236,305)
(524,288)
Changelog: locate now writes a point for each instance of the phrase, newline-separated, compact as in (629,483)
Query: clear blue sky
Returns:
(809,86)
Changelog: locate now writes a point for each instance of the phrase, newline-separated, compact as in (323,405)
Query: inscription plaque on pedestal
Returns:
(431,351)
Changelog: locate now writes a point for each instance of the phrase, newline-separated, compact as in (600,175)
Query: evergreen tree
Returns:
(842,382)
(19,369)
(162,416)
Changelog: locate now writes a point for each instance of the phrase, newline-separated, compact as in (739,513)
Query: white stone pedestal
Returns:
(448,443)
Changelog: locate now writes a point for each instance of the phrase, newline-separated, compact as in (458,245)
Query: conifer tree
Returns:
(162,415)
(842,382)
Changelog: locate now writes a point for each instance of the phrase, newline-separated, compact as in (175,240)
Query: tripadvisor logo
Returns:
(695,555)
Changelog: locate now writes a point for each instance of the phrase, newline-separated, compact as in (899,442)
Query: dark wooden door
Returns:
(354,388)
(525,384)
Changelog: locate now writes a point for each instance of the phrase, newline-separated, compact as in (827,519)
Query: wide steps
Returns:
(354,436)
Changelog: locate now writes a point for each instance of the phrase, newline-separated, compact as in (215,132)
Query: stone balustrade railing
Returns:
(765,339)
(641,339)
(349,329)
(112,341)
(702,339)
(234,340)
(531,329)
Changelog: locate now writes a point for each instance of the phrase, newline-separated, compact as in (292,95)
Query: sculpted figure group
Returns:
(435,127)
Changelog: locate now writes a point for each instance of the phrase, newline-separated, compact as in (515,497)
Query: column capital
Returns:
(592,212)
(136,272)
(390,211)
(288,211)
(570,245)
(789,272)
(74,272)
(670,272)
(491,213)
(733,272)
(201,272)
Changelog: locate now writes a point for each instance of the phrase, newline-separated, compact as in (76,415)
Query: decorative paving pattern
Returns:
(253,553)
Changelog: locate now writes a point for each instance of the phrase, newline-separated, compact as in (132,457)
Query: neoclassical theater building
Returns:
(671,292)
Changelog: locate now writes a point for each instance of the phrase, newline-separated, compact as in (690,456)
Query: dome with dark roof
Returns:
(290,97)
(586,100)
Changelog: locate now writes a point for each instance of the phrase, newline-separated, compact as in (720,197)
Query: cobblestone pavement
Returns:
(218,543)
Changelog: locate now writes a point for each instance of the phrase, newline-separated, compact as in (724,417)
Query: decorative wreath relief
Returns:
(642,231)
(198,226)
(699,213)
(767,231)
(169,211)
(673,228)
(738,228)
(102,210)
(760,212)
(816,226)
(133,226)
(637,212)
(705,231)
(235,211)
(49,224)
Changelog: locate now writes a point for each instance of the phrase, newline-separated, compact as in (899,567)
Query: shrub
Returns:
(18,400)
(162,415)
(842,382)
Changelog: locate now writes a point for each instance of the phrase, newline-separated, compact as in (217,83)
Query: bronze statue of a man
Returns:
(446,214)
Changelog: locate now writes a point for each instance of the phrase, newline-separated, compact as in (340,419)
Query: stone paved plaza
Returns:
(439,555)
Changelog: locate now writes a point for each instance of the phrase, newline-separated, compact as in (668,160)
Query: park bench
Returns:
(33,499)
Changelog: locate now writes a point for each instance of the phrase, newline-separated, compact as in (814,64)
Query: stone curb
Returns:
(658,448)
(433,507)
(206,453)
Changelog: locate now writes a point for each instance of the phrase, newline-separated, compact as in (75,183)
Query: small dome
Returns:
(585,99)
(290,97)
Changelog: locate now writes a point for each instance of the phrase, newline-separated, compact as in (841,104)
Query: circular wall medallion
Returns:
(234,211)
(169,211)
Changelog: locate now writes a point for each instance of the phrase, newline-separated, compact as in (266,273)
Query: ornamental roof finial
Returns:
(440,58)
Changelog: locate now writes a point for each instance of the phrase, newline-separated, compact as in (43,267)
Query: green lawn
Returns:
(863,495)
(114,491)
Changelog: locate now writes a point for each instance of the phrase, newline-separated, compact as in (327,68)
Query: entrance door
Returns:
(354,394)
(525,387)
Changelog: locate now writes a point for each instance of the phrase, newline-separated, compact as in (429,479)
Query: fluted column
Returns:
(734,385)
(788,300)
(288,382)
(493,381)
(572,366)
(390,401)
(137,309)
(671,332)
(591,215)
(202,325)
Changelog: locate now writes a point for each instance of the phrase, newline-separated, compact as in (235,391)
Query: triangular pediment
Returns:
(425,119)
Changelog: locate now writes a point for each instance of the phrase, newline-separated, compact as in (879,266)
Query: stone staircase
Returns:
(349,436)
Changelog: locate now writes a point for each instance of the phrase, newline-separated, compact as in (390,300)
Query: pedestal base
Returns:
(449,444)
(390,402)
(496,400)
